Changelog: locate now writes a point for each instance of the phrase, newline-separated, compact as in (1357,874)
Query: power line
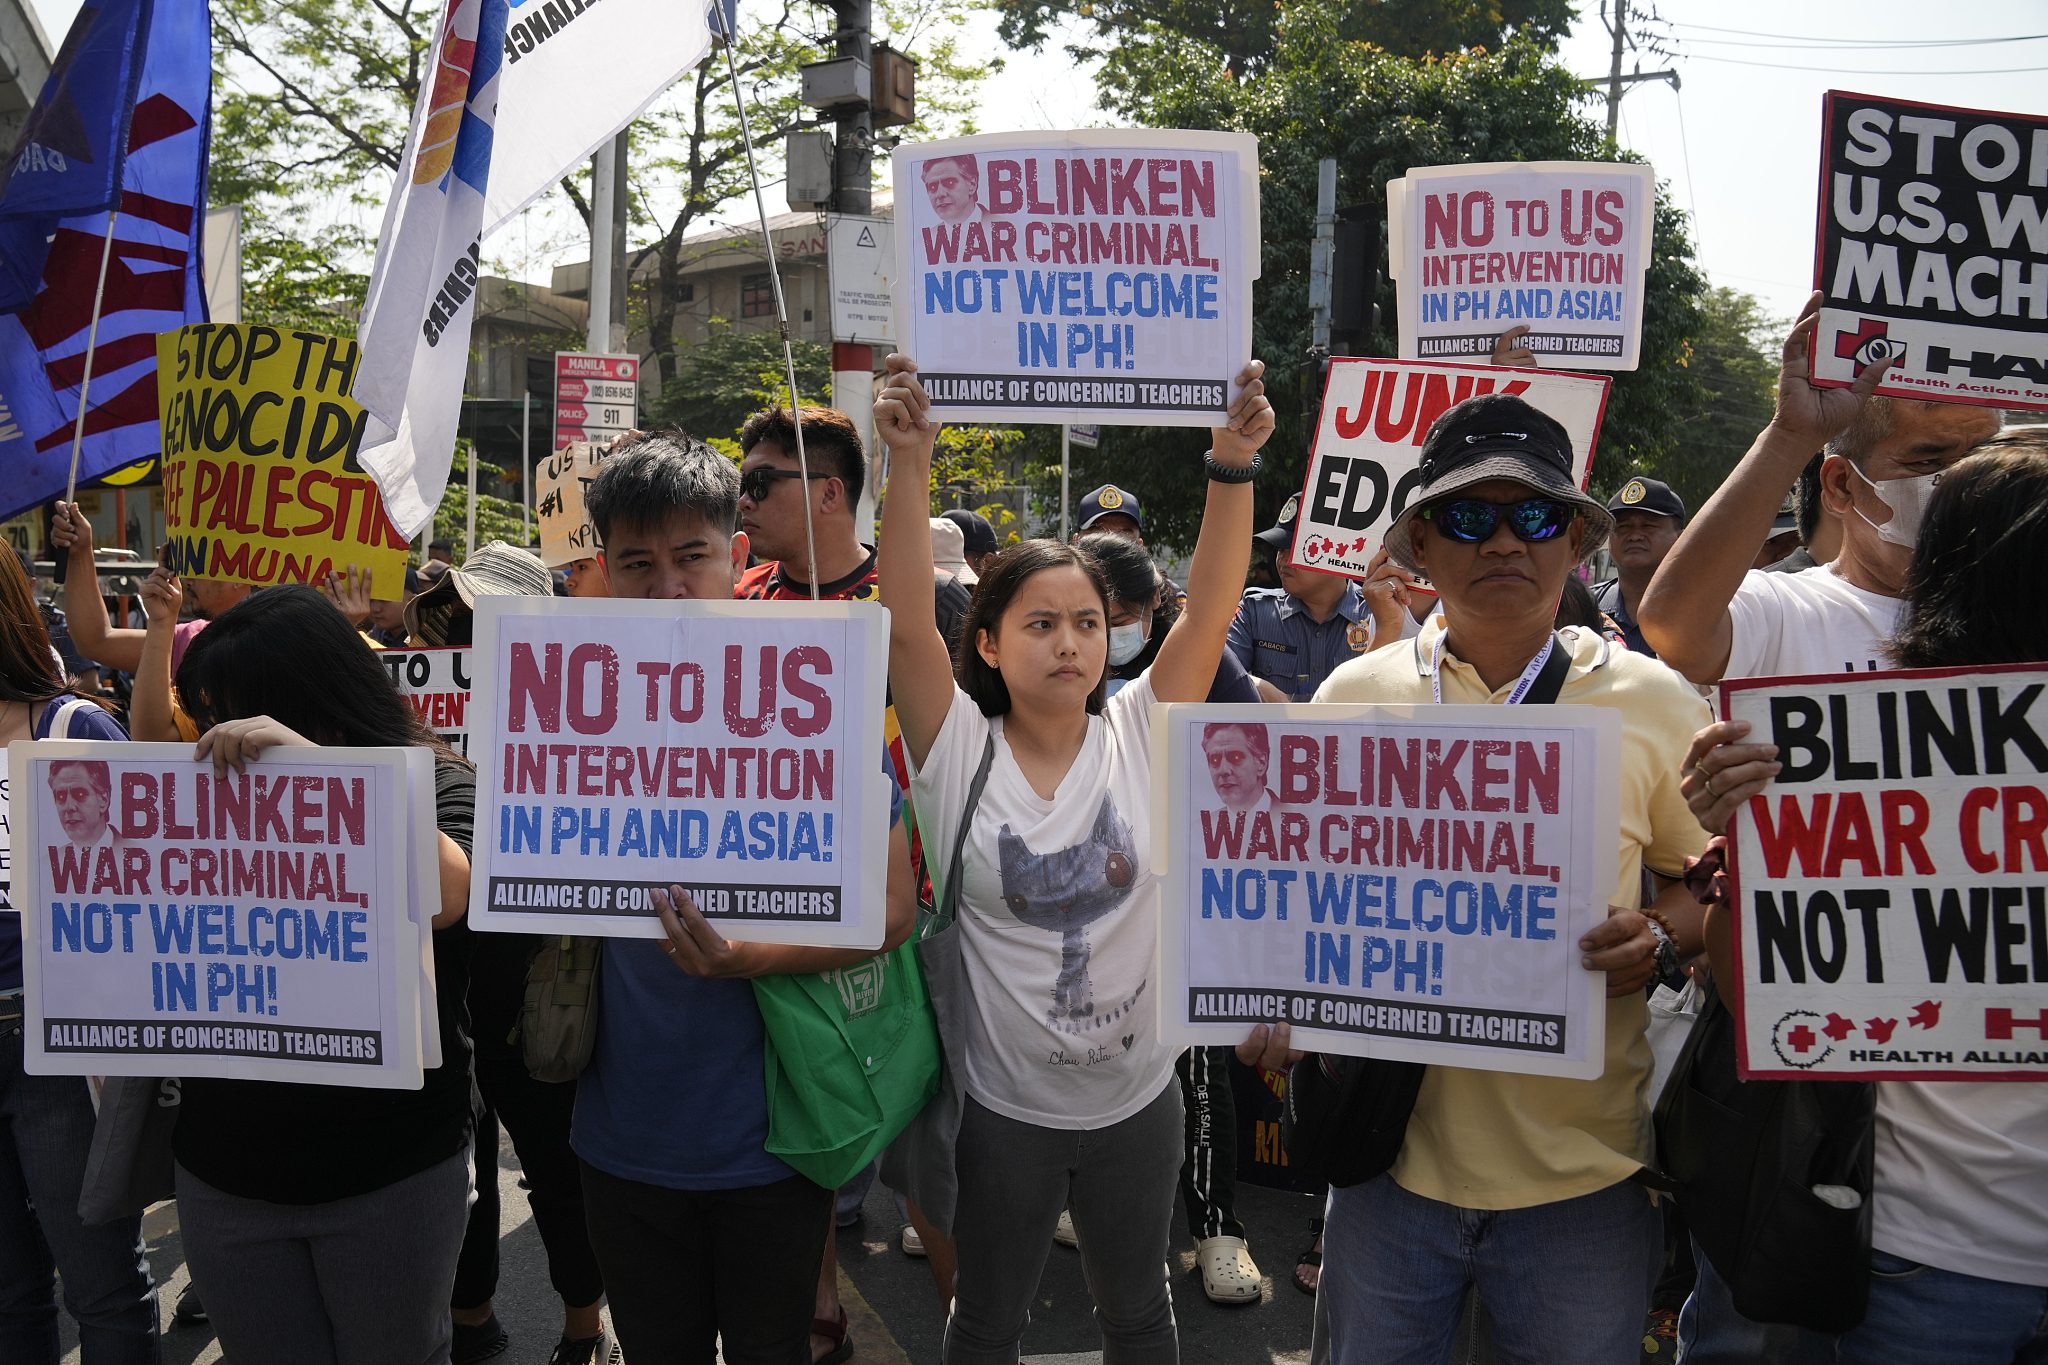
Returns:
(1820,45)
(1853,42)
(1865,71)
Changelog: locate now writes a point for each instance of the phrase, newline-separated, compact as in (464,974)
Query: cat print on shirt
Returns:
(1065,891)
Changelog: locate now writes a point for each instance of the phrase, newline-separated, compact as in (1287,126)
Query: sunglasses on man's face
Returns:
(755,482)
(1472,520)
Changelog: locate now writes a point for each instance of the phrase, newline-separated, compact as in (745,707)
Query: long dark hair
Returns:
(1126,568)
(999,585)
(28,670)
(1973,591)
(288,654)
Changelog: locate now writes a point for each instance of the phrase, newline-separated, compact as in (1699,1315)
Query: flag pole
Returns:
(92,339)
(803,463)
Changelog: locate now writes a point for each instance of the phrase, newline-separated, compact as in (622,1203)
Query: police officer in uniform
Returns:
(1292,636)
(1647,519)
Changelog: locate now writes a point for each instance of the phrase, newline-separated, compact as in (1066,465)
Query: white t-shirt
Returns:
(1059,917)
(1962,1166)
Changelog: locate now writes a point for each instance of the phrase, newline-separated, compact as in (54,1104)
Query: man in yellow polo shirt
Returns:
(1525,1186)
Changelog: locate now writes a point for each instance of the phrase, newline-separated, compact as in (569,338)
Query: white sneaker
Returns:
(913,1245)
(1064,1234)
(1228,1274)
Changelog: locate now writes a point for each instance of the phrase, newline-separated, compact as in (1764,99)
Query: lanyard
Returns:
(1515,694)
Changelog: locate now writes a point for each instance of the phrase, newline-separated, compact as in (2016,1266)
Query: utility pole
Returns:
(608,249)
(1617,83)
(853,366)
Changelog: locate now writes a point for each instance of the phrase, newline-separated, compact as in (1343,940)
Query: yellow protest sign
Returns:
(566,534)
(261,483)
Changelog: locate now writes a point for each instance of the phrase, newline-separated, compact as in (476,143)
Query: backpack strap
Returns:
(1550,681)
(949,902)
(57,717)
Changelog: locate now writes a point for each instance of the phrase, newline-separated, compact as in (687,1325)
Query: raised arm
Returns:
(150,716)
(1684,612)
(85,615)
(920,665)
(1186,664)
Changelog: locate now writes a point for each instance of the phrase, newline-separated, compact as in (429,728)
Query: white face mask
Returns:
(1908,499)
(1126,643)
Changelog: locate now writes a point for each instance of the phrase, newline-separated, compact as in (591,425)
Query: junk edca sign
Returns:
(1891,883)
(1933,245)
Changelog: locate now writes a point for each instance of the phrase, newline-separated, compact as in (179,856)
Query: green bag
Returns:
(852,1056)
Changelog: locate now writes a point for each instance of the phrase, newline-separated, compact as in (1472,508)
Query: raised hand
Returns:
(901,417)
(350,594)
(1813,414)
(1249,421)
(1506,351)
(162,595)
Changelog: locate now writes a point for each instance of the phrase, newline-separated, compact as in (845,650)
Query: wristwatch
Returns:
(1666,956)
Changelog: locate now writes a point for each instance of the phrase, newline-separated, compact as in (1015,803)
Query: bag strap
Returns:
(1550,682)
(56,721)
(949,902)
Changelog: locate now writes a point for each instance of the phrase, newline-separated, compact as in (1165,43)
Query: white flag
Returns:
(577,71)
(416,318)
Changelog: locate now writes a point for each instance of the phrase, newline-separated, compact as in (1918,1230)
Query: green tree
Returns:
(497,517)
(733,375)
(1377,114)
(1734,360)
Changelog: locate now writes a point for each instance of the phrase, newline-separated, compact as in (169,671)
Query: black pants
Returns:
(684,1267)
(1208,1172)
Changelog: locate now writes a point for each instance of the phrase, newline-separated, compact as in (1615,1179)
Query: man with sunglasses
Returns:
(1529,1187)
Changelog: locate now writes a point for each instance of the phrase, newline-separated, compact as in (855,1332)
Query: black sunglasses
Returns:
(754,483)
(1472,520)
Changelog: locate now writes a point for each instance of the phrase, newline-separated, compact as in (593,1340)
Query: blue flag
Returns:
(50,264)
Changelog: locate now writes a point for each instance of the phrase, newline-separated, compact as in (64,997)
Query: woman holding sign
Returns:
(323,1222)
(1066,1096)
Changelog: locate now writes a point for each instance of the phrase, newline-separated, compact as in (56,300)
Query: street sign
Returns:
(1084,435)
(860,263)
(596,396)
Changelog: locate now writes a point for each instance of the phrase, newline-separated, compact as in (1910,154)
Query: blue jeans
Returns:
(46,1127)
(1568,1281)
(1918,1315)
(1923,1316)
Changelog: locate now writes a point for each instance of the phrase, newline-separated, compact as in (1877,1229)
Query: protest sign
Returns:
(1097,275)
(261,483)
(597,397)
(1406,882)
(1368,447)
(436,684)
(734,748)
(1560,246)
(1890,887)
(1933,245)
(260,926)
(566,534)
(860,256)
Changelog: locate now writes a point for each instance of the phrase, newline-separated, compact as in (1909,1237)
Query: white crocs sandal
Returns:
(1064,1234)
(1228,1274)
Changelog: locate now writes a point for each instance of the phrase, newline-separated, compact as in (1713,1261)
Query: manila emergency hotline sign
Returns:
(1891,884)
(732,748)
(597,397)
(1933,245)
(1368,448)
(1098,275)
(260,926)
(1408,882)
(1558,246)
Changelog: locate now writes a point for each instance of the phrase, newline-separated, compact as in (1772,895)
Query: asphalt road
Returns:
(893,1305)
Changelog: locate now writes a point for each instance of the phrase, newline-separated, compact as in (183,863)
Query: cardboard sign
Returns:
(597,397)
(1561,246)
(733,748)
(1368,447)
(861,266)
(1394,881)
(264,926)
(1099,275)
(566,534)
(1890,886)
(436,683)
(1933,244)
(261,483)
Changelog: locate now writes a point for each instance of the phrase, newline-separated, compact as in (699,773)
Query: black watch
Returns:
(1223,473)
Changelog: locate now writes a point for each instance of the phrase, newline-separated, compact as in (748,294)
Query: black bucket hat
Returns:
(1497,436)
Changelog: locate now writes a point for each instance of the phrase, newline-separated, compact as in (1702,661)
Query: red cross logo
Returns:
(1802,1038)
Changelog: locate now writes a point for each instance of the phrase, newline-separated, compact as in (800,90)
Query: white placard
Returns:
(1561,246)
(1408,882)
(262,926)
(860,255)
(1368,447)
(1890,887)
(436,684)
(1094,275)
(734,748)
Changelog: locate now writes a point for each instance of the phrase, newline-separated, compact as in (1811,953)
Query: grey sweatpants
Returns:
(359,1281)
(1118,1182)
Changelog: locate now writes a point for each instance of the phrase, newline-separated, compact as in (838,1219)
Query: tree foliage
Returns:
(733,375)
(497,517)
(1734,359)
(1377,114)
